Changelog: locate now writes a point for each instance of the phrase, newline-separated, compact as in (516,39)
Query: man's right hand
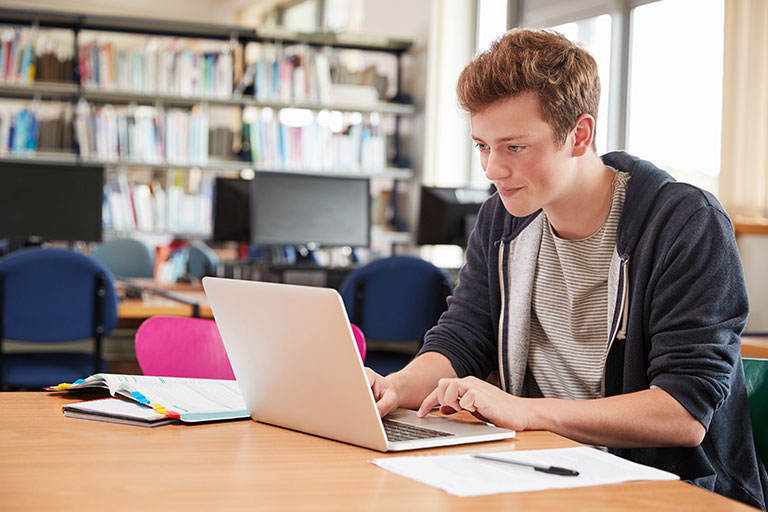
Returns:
(384,392)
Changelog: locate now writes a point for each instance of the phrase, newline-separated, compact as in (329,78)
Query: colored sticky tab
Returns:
(141,398)
(159,409)
(64,385)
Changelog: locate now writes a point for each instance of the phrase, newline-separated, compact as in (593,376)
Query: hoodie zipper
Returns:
(502,370)
(619,329)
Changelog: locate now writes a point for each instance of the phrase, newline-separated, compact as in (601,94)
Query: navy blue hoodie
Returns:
(679,306)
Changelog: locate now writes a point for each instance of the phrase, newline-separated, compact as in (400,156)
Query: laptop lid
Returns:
(296,361)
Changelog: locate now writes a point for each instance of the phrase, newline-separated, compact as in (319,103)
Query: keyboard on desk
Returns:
(397,431)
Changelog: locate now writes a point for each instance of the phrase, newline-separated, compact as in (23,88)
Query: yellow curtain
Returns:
(743,184)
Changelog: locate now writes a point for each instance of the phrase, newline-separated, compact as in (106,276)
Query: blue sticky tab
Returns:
(141,398)
(78,381)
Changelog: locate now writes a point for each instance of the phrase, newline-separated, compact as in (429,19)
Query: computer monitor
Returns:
(46,202)
(231,210)
(300,209)
(448,215)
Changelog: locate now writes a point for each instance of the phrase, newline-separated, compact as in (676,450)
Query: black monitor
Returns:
(300,209)
(45,202)
(231,210)
(448,215)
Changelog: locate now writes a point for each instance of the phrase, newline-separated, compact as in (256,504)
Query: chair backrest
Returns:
(360,340)
(756,375)
(49,295)
(182,347)
(126,257)
(202,260)
(396,299)
(171,346)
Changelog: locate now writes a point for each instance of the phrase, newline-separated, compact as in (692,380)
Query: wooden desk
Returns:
(133,311)
(49,462)
(152,305)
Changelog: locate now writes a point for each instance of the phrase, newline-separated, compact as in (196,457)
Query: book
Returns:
(185,399)
(117,410)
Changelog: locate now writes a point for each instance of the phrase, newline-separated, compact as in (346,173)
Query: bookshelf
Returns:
(161,102)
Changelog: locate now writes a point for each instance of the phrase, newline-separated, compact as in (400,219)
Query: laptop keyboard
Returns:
(397,431)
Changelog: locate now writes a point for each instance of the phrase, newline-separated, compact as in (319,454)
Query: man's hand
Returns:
(484,400)
(384,392)
(645,418)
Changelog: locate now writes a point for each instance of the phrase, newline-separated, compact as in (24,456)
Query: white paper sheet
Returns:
(463,475)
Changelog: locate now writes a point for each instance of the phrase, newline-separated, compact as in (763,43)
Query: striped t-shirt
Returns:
(569,319)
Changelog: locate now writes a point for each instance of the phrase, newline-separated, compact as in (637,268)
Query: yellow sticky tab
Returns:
(159,409)
(63,385)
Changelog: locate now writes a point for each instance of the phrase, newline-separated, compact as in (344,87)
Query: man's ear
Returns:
(582,134)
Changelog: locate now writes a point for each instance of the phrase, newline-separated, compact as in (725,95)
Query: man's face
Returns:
(519,154)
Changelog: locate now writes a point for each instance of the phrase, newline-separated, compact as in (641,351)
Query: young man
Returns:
(608,297)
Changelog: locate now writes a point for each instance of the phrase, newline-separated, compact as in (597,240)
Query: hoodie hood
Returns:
(647,183)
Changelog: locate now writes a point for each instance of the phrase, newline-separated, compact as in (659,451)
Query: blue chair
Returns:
(395,300)
(53,295)
(126,257)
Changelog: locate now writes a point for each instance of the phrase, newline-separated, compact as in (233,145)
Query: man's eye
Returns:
(515,149)
(481,146)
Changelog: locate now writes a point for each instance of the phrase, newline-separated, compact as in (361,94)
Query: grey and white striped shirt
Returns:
(568,343)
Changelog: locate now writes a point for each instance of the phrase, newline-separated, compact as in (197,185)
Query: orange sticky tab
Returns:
(173,414)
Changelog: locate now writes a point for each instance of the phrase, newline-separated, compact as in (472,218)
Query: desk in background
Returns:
(754,346)
(50,462)
(152,305)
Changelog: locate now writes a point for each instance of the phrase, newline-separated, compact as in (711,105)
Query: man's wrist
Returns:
(396,382)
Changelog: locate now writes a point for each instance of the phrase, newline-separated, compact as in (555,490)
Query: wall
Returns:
(753,249)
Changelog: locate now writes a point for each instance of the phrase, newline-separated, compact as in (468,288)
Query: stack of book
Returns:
(17,56)
(149,401)
(292,74)
(142,134)
(53,67)
(129,206)
(319,141)
(157,66)
(55,133)
(32,55)
(18,131)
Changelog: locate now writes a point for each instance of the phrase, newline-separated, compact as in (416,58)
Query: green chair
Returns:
(756,373)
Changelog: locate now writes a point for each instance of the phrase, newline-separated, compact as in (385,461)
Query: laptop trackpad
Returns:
(441,423)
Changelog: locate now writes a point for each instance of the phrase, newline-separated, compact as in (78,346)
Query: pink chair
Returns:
(170,346)
(360,339)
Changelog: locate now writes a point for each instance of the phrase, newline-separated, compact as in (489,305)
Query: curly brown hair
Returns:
(562,74)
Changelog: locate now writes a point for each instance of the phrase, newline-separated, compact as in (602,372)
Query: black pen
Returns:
(553,470)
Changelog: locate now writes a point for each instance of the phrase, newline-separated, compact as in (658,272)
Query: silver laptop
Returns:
(297,365)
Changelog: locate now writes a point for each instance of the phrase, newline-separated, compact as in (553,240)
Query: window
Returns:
(675,88)
(595,35)
(665,105)
(491,24)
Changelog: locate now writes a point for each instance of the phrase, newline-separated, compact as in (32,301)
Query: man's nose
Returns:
(496,168)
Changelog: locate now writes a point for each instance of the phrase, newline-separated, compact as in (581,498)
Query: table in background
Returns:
(132,311)
(50,462)
(754,346)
